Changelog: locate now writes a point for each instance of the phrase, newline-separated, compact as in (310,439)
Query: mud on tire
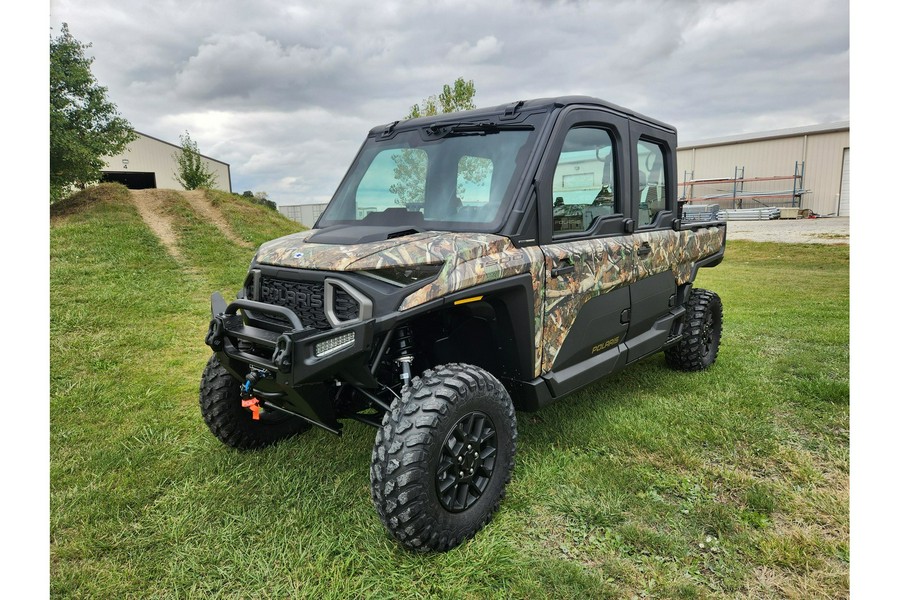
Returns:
(443,457)
(220,405)
(699,347)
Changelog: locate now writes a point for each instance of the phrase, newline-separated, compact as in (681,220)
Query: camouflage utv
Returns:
(469,265)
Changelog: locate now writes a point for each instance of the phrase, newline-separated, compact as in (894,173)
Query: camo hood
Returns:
(428,247)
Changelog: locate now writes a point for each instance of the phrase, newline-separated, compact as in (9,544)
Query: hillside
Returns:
(131,275)
(728,483)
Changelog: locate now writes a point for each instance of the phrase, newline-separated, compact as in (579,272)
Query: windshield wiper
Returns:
(458,129)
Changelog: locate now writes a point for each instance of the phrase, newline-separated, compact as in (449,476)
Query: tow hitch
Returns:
(248,400)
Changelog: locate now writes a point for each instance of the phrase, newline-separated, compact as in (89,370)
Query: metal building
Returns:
(305,214)
(149,162)
(803,167)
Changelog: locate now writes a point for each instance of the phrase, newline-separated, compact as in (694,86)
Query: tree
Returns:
(84,125)
(410,164)
(192,171)
(453,98)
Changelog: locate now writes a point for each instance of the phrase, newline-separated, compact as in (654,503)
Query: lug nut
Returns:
(469,447)
(471,470)
(459,458)
(476,455)
(461,474)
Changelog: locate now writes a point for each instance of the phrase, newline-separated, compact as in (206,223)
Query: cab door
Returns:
(588,251)
(656,242)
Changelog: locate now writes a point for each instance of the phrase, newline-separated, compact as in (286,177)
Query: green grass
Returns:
(252,222)
(652,483)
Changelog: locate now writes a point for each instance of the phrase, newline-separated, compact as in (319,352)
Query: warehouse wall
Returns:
(761,159)
(305,214)
(147,154)
(824,159)
(823,153)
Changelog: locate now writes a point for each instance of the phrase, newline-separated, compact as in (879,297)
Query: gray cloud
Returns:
(285,91)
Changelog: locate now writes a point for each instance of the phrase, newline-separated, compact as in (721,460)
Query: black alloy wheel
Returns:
(467,462)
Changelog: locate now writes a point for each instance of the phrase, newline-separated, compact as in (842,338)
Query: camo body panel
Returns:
(464,270)
(293,251)
(538,276)
(605,264)
(452,249)
(677,251)
(601,265)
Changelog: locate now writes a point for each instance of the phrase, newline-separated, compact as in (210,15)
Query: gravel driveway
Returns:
(828,230)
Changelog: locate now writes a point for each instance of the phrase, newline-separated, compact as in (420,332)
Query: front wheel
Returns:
(443,457)
(233,425)
(699,345)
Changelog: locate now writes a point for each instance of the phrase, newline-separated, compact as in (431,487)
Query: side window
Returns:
(651,182)
(583,183)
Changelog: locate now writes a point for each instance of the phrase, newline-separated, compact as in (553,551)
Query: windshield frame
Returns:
(427,136)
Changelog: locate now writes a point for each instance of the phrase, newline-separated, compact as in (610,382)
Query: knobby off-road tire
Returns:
(454,420)
(220,404)
(699,347)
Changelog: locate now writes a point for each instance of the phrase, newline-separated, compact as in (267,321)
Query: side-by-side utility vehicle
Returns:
(468,266)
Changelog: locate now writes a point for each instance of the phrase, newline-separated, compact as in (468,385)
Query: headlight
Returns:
(405,275)
(335,344)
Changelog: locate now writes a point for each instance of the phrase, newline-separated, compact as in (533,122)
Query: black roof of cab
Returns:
(519,107)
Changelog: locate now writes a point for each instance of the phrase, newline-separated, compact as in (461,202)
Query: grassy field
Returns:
(727,483)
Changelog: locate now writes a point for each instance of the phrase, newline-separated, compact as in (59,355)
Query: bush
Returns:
(192,171)
(261,198)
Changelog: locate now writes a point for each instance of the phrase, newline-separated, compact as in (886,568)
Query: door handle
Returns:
(564,270)
(644,249)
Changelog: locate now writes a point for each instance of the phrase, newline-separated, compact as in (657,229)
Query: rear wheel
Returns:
(220,405)
(443,457)
(699,345)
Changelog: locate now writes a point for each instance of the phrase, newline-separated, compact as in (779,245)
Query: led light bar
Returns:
(335,344)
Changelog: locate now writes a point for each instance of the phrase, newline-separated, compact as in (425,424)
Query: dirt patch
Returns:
(202,206)
(150,205)
(831,230)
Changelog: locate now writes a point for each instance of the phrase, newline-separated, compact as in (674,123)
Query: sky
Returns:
(285,91)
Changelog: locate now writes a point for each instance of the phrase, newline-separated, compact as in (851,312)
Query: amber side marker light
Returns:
(467,300)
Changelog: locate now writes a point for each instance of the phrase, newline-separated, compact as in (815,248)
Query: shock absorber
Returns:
(404,353)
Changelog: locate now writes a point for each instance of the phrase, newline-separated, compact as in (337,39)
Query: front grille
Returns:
(307,300)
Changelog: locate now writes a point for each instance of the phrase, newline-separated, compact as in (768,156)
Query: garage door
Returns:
(133,180)
(844,204)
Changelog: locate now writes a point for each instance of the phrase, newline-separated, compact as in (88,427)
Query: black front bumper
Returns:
(299,359)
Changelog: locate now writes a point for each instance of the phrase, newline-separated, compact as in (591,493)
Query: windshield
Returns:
(459,178)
